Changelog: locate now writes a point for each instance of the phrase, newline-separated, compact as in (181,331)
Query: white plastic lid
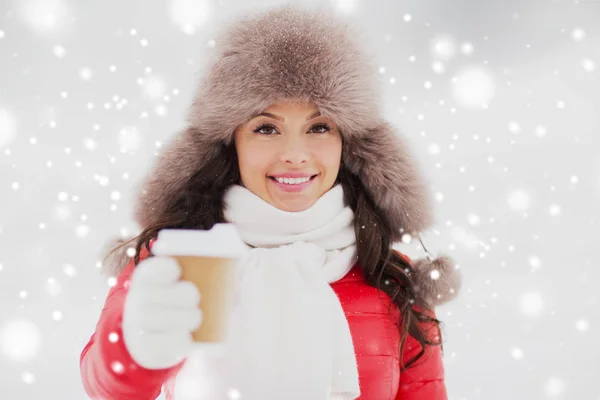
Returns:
(223,240)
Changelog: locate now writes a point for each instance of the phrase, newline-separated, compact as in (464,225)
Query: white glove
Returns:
(160,313)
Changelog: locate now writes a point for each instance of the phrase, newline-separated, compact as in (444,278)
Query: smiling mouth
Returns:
(311,178)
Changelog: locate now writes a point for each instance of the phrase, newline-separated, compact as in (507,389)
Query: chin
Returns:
(296,206)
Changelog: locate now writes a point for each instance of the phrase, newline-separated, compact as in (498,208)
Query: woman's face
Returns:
(289,141)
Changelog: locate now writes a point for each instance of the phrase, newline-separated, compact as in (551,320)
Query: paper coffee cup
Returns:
(208,258)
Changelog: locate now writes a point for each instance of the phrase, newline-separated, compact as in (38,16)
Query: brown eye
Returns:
(261,129)
(322,128)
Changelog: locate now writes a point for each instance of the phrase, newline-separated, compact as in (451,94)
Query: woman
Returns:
(286,141)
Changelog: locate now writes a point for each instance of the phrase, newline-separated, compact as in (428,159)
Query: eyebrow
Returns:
(278,118)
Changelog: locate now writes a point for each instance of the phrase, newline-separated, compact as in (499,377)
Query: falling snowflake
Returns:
(532,304)
(473,87)
(554,387)
(20,340)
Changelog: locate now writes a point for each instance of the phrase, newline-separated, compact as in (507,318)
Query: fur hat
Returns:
(290,53)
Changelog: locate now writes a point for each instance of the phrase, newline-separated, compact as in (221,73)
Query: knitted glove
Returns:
(160,313)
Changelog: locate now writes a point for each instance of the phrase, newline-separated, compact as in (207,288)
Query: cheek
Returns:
(253,160)
(329,154)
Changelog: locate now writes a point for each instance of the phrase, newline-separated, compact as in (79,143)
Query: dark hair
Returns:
(200,205)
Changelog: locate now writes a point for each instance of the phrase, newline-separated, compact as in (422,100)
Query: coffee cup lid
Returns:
(223,240)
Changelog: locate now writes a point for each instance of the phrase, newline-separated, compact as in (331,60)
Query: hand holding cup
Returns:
(208,260)
(160,313)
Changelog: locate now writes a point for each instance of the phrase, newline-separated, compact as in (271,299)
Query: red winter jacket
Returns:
(109,372)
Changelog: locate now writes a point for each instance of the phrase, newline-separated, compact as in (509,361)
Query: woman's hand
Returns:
(160,313)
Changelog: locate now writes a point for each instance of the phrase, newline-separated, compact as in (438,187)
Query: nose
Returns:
(295,150)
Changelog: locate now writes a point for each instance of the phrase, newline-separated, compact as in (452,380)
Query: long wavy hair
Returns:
(200,205)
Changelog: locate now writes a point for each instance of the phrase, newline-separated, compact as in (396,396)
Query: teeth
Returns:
(292,181)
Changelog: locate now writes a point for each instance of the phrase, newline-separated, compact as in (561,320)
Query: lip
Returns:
(293,188)
(292,175)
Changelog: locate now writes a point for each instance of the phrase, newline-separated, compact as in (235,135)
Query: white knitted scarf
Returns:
(295,339)
(289,337)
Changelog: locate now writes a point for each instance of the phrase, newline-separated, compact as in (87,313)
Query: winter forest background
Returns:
(499,100)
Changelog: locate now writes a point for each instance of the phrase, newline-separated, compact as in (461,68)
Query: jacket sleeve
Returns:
(424,380)
(106,367)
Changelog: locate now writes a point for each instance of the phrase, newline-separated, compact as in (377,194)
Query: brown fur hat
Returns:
(290,53)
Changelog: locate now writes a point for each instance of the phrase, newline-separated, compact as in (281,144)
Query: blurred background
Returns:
(498,99)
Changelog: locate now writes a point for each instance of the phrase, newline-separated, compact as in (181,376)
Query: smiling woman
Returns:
(293,152)
(289,155)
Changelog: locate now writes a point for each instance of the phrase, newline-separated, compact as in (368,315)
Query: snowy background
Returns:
(499,99)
